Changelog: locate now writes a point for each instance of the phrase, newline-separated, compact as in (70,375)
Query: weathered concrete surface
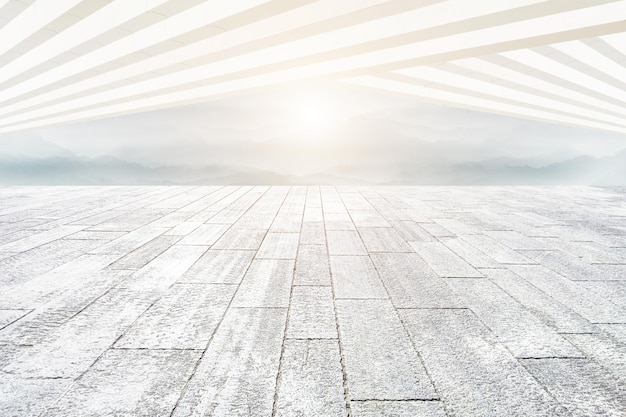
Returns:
(312,301)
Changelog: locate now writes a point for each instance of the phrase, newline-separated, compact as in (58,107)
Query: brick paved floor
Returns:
(312,301)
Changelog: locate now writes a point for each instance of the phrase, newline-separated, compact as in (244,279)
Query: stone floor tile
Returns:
(379,358)
(142,383)
(474,374)
(311,380)
(312,315)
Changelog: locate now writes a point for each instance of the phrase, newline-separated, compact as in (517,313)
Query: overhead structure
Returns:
(560,61)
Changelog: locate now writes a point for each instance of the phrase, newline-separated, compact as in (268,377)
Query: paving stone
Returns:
(38,290)
(267,283)
(219,267)
(70,350)
(589,305)
(311,380)
(411,283)
(129,382)
(145,253)
(355,277)
(379,358)
(22,397)
(338,222)
(313,233)
(517,328)
(397,409)
(34,327)
(516,240)
(279,246)
(605,350)
(473,373)
(237,374)
(546,308)
(183,228)
(130,241)
(39,239)
(345,243)
(580,385)
(164,270)
(368,218)
(437,230)
(312,315)
(185,318)
(496,250)
(312,266)
(9,316)
(471,255)
(614,291)
(574,268)
(443,261)
(383,239)
(412,231)
(236,238)
(207,234)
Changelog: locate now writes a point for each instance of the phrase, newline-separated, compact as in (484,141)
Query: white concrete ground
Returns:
(312,301)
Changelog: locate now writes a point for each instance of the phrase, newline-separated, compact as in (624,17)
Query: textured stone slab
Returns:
(130,241)
(470,254)
(313,233)
(185,318)
(279,246)
(516,240)
(345,243)
(39,239)
(412,231)
(397,409)
(145,253)
(34,327)
(443,261)
(34,292)
(546,308)
(165,269)
(21,397)
(311,380)
(368,218)
(312,266)
(9,316)
(207,234)
(237,238)
(379,358)
(338,222)
(614,291)
(266,284)
(290,223)
(518,329)
(496,250)
(237,374)
(142,383)
(607,351)
(355,277)
(383,239)
(581,386)
(474,374)
(312,315)
(219,267)
(183,228)
(573,268)
(411,283)
(589,305)
(75,345)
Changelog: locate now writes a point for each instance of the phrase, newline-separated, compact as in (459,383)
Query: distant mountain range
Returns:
(39,162)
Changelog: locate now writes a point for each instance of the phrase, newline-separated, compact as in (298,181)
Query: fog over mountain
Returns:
(360,138)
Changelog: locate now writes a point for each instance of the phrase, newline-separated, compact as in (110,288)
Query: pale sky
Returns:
(322,128)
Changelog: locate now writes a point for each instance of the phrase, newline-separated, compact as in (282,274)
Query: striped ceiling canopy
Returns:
(562,61)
